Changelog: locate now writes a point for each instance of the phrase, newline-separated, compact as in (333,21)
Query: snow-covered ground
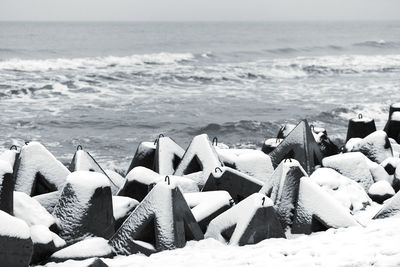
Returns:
(376,245)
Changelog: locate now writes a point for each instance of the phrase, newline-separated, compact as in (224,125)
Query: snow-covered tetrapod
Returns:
(200,156)
(83,161)
(249,222)
(38,171)
(237,184)
(300,145)
(161,221)
(85,207)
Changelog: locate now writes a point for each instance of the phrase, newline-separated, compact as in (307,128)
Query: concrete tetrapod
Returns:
(15,242)
(162,221)
(300,145)
(83,161)
(200,156)
(144,156)
(141,180)
(38,171)
(237,184)
(168,155)
(85,207)
(317,210)
(283,188)
(6,187)
(249,222)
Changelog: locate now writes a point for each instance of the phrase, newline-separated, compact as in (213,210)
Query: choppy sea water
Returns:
(108,86)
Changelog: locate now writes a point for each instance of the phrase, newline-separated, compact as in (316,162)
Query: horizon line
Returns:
(202,21)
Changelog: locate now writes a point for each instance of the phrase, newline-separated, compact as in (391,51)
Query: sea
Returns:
(110,85)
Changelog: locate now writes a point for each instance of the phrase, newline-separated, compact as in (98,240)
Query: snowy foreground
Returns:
(374,245)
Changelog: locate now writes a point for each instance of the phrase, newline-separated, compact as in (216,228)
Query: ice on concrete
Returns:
(29,209)
(37,166)
(317,209)
(353,165)
(199,156)
(252,220)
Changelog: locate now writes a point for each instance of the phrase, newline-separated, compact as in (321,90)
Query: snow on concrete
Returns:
(381,188)
(83,161)
(88,248)
(378,172)
(84,183)
(9,156)
(35,158)
(314,201)
(395,116)
(352,165)
(390,208)
(5,167)
(201,150)
(40,234)
(376,146)
(346,191)
(203,204)
(85,207)
(122,206)
(146,176)
(13,227)
(166,153)
(48,200)
(390,164)
(158,204)
(30,210)
(249,161)
(117,178)
(239,215)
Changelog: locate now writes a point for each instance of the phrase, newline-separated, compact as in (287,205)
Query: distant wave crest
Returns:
(96,62)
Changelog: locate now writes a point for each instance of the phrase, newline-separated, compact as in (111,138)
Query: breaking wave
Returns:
(97,62)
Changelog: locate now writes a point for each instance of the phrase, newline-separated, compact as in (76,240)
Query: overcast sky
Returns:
(194,10)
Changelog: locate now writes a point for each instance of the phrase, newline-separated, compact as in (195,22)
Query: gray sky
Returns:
(178,10)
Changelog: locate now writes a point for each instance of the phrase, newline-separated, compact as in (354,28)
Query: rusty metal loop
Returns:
(167,179)
(13,147)
(26,142)
(79,147)
(263,200)
(360,116)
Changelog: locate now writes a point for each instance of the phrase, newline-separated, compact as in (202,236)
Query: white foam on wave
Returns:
(96,62)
